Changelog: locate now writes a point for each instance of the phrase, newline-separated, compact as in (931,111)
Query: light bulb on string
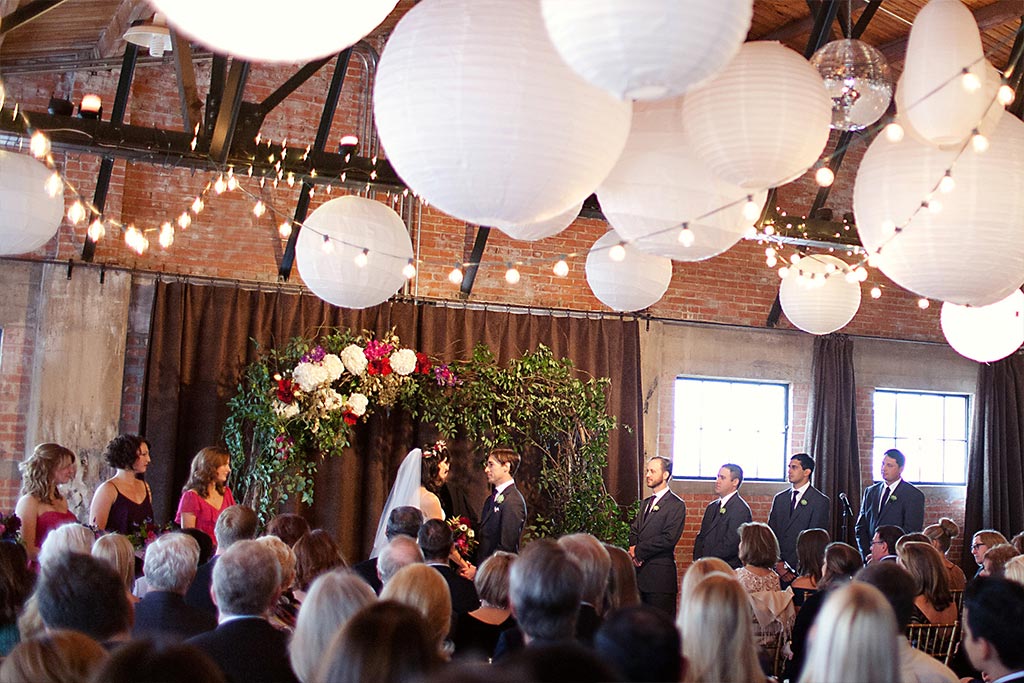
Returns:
(876,292)
(54,185)
(76,212)
(232,182)
(769,229)
(824,176)
(285,229)
(771,261)
(751,211)
(850,276)
(978,141)
(184,220)
(947,184)
(166,237)
(686,236)
(512,275)
(933,205)
(894,132)
(923,303)
(561,268)
(861,273)
(783,272)
(39,145)
(1005,95)
(409,270)
(198,205)
(259,208)
(220,186)
(618,252)
(970,82)
(794,259)
(455,276)
(96,231)
(362,258)
(328,245)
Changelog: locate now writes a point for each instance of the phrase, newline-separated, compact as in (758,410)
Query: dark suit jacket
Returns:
(165,614)
(463,592)
(906,512)
(719,532)
(248,650)
(787,525)
(655,539)
(367,571)
(501,524)
(198,594)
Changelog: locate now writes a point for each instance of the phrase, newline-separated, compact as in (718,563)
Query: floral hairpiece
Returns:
(438,449)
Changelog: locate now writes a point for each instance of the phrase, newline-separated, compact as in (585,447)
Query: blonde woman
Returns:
(206,493)
(41,507)
(1014,569)
(933,603)
(425,590)
(941,537)
(697,572)
(718,638)
(117,551)
(855,639)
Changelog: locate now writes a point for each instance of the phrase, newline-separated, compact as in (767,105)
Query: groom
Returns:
(504,513)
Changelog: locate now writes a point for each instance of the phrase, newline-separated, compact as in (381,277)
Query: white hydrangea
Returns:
(403,361)
(332,400)
(354,359)
(309,376)
(357,404)
(285,410)
(333,365)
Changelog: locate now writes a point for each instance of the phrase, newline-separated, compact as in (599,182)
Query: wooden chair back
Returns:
(936,640)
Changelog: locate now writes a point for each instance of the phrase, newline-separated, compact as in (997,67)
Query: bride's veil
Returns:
(406,491)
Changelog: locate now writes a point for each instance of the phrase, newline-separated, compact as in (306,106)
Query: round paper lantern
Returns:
(549,228)
(659,183)
(480,116)
(763,120)
(991,81)
(637,281)
(943,41)
(970,252)
(353,224)
(30,215)
(985,333)
(856,77)
(275,31)
(816,296)
(647,49)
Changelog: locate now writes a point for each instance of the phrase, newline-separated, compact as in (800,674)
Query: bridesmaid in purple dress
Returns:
(206,493)
(41,507)
(123,502)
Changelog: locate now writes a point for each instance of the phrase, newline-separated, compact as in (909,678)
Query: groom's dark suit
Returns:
(905,509)
(501,523)
(812,512)
(654,536)
(719,531)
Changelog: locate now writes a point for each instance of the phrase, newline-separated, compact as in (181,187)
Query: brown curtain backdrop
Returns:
(832,428)
(995,465)
(202,336)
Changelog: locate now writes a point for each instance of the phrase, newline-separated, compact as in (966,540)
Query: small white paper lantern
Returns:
(354,223)
(763,120)
(31,216)
(985,333)
(549,228)
(275,31)
(816,296)
(659,183)
(647,49)
(636,282)
(480,116)
(944,39)
(969,253)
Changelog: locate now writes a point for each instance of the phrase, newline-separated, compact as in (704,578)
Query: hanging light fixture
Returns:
(856,76)
(152,34)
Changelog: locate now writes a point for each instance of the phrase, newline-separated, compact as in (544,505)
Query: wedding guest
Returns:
(435,540)
(994,628)
(622,588)
(981,542)
(404,520)
(171,563)
(545,589)
(1018,543)
(236,523)
(642,643)
(315,553)
(996,558)
(810,552)
(595,564)
(118,552)
(758,551)
(163,661)
(697,572)
(933,603)
(123,502)
(288,527)
(400,552)
(286,609)
(1014,569)
(55,657)
(82,593)
(206,493)
(423,589)
(477,633)
(41,506)
(941,536)
(62,541)
(205,542)
(15,586)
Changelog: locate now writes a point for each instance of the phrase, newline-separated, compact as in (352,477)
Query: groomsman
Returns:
(504,513)
(720,529)
(890,502)
(653,536)
(800,507)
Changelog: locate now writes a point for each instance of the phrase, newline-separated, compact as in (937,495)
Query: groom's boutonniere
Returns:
(499,499)
(892,497)
(803,501)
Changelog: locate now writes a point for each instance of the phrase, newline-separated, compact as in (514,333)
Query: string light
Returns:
(166,237)
(220,186)
(876,292)
(783,272)
(978,141)
(512,275)
(923,303)
(409,270)
(362,258)
(328,245)
(184,220)
(455,276)
(618,252)
(561,268)
(96,231)
(894,132)
(198,205)
(794,259)
(947,184)
(970,81)
(259,208)
(934,206)
(1005,95)
(751,211)
(686,236)
(285,229)
(825,176)
(39,145)
(76,213)
(54,185)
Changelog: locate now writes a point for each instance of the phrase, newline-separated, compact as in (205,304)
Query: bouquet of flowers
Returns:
(463,536)
(147,532)
(10,528)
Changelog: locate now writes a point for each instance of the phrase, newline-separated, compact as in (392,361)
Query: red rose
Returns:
(285,391)
(350,418)
(422,363)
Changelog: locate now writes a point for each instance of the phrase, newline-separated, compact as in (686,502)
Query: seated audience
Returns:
(883,544)
(289,527)
(205,544)
(641,643)
(476,633)
(286,609)
(400,551)
(16,582)
(855,639)
(236,523)
(171,563)
(385,642)
(244,645)
(67,538)
(622,589)
(941,536)
(981,542)
(403,521)
(1014,569)
(435,540)
(595,564)
(996,558)
(118,552)
(332,600)
(163,661)
(994,628)
(54,657)
(717,633)
(810,554)
(315,553)
(933,603)
(697,572)
(423,589)
(758,551)
(81,593)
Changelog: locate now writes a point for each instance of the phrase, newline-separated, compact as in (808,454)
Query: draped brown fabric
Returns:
(832,428)
(202,336)
(995,465)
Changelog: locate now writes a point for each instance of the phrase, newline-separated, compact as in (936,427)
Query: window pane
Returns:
(956,417)
(930,429)
(885,413)
(956,462)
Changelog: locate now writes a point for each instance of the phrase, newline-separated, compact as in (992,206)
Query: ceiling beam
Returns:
(188,92)
(227,112)
(27,13)
(989,16)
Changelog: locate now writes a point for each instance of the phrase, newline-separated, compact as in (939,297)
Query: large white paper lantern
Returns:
(660,183)
(763,120)
(817,297)
(276,31)
(637,281)
(532,232)
(971,252)
(353,224)
(943,41)
(480,116)
(985,333)
(29,216)
(991,80)
(647,49)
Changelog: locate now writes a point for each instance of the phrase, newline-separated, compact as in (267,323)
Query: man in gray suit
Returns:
(653,536)
(719,530)
(890,502)
(800,507)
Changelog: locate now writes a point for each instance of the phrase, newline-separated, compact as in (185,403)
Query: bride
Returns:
(420,477)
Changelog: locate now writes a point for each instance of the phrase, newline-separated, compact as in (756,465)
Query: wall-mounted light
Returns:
(91,107)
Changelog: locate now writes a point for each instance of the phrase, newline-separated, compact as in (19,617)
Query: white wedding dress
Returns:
(407,490)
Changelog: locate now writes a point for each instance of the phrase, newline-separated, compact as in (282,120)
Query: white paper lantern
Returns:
(637,281)
(943,41)
(816,296)
(969,253)
(354,224)
(276,31)
(763,120)
(480,116)
(29,216)
(985,333)
(647,49)
(549,228)
(659,183)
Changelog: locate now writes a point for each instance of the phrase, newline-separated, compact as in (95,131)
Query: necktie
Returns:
(886,492)
(796,496)
(650,507)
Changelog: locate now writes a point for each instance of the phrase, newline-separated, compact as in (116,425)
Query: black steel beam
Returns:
(117,111)
(865,18)
(214,96)
(473,266)
(292,84)
(822,28)
(27,13)
(1014,72)
(834,162)
(188,93)
(227,113)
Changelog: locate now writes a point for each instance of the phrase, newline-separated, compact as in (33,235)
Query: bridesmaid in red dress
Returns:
(206,493)
(41,507)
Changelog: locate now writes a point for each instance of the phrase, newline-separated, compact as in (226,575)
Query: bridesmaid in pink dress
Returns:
(206,494)
(41,507)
